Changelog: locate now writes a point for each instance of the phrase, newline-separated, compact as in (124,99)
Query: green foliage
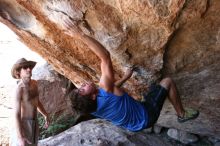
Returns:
(56,126)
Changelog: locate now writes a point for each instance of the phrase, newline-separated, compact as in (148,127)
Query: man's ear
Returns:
(75,90)
(17,73)
(93,97)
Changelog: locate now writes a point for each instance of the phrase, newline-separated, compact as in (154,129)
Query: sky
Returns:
(11,49)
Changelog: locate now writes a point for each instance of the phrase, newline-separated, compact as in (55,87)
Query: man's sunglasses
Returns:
(27,66)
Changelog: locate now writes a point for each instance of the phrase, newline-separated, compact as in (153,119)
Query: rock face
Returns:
(51,93)
(102,133)
(177,38)
(182,136)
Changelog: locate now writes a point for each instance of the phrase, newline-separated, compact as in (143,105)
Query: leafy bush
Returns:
(57,125)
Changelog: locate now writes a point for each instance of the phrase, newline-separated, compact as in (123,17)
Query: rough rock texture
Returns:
(182,136)
(121,26)
(50,85)
(102,133)
(179,38)
(193,58)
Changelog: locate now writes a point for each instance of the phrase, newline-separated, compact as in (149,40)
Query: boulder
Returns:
(51,86)
(182,136)
(99,132)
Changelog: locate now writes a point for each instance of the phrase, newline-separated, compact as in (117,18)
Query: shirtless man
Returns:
(26,105)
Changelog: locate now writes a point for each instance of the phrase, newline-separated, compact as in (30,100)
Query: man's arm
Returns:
(18,112)
(41,109)
(39,105)
(107,75)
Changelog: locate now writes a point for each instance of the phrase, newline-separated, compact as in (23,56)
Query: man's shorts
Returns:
(30,131)
(154,101)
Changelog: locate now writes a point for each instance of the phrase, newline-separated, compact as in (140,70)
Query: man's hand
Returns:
(47,122)
(127,75)
(72,28)
(129,71)
(22,141)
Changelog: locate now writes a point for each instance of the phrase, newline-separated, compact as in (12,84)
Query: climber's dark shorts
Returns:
(154,101)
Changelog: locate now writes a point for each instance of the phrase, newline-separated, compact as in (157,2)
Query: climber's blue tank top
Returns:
(122,110)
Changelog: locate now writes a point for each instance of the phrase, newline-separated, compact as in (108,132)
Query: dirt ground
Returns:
(6,104)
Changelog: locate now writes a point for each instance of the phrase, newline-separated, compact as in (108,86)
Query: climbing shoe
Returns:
(188,115)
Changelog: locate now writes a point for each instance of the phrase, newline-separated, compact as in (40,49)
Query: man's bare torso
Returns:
(29,100)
